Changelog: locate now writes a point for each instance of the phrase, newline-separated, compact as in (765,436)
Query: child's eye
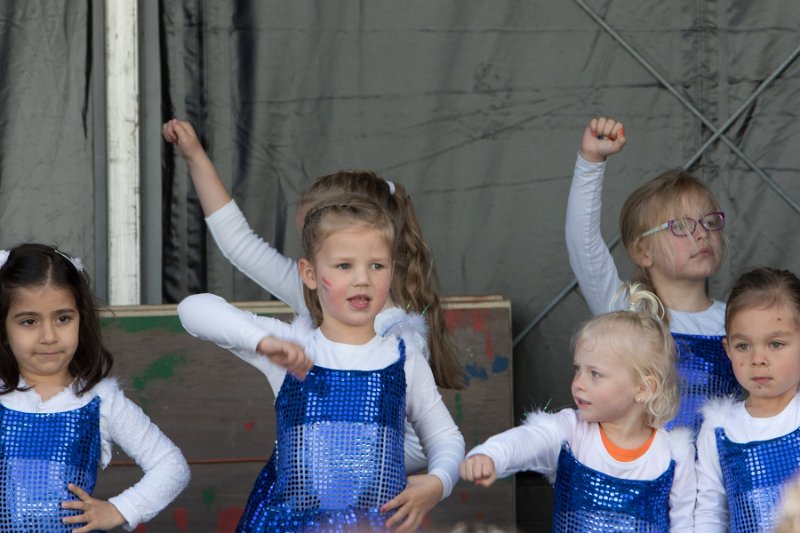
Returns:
(775,344)
(377,266)
(741,346)
(343,266)
(64,319)
(27,322)
(595,374)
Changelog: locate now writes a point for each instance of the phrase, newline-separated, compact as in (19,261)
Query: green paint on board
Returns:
(136,324)
(209,496)
(162,368)
(459,409)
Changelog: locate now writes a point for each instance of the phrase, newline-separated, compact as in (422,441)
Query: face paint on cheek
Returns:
(326,283)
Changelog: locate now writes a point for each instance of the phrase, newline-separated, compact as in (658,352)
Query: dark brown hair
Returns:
(37,265)
(415,284)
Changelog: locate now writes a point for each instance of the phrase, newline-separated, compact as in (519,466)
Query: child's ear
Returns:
(307,273)
(725,345)
(646,389)
(641,253)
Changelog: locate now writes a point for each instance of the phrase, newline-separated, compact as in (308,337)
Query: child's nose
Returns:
(758,358)
(47,333)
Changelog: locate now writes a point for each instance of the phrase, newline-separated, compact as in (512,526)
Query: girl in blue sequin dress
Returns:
(612,465)
(671,227)
(60,413)
(342,392)
(415,288)
(748,450)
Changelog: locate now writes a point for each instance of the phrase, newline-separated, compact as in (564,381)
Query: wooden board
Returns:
(219,411)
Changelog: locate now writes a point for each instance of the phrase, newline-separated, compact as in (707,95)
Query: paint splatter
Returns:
(489,350)
(141,528)
(143,323)
(248,426)
(209,496)
(228,518)
(463,496)
(475,371)
(181,518)
(459,409)
(500,364)
(162,368)
(479,320)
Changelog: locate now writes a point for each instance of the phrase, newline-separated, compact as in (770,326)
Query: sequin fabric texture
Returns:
(753,474)
(587,500)
(704,371)
(339,452)
(40,453)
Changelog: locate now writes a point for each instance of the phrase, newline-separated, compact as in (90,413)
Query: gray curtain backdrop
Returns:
(476,107)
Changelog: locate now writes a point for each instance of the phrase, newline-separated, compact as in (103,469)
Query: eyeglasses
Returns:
(682,227)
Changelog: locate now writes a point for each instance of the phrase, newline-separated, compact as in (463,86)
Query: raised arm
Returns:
(589,256)
(249,253)
(210,189)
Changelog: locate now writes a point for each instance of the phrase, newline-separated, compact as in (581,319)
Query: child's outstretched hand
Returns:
(421,494)
(287,354)
(601,138)
(182,135)
(97,514)
(480,469)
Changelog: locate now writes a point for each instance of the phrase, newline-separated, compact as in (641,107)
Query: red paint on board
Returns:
(489,348)
(249,425)
(228,518)
(463,496)
(479,320)
(140,529)
(480,516)
(181,518)
(451,319)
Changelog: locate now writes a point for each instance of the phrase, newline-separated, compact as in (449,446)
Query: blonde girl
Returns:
(612,465)
(748,450)
(60,413)
(414,289)
(338,461)
(671,228)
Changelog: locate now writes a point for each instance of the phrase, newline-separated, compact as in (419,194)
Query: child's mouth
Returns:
(360,301)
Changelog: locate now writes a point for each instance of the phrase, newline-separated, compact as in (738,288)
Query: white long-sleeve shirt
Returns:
(211,318)
(166,472)
(279,276)
(593,265)
(712,504)
(536,445)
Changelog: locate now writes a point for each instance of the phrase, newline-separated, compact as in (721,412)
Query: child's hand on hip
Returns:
(286,354)
(480,469)
(421,494)
(97,514)
(601,138)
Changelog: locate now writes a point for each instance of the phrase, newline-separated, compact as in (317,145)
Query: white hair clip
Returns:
(76,262)
(4,257)
(392,188)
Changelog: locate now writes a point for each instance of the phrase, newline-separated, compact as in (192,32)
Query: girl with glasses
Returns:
(671,227)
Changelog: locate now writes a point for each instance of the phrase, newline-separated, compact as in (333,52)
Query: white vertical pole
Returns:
(122,134)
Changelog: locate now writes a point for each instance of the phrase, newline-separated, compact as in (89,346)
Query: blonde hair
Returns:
(336,214)
(415,284)
(789,510)
(652,204)
(645,345)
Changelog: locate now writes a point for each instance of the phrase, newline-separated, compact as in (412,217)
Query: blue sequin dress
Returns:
(704,371)
(753,474)
(339,452)
(585,499)
(40,453)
